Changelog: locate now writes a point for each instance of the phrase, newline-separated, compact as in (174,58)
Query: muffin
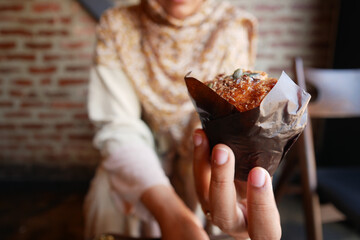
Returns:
(258,117)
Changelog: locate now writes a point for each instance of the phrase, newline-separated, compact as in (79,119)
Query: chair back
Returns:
(337,92)
(305,148)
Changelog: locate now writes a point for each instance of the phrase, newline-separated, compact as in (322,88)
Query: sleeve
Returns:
(125,141)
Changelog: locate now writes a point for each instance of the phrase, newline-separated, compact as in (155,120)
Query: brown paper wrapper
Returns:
(258,137)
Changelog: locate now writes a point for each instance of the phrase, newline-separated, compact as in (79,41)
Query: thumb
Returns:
(262,213)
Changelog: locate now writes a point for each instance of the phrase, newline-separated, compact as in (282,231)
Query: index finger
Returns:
(223,200)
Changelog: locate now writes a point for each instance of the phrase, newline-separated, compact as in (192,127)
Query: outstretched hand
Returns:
(255,215)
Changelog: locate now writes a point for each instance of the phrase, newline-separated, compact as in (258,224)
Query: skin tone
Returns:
(255,216)
(180,8)
(175,219)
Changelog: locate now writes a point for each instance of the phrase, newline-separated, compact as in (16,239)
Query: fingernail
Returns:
(220,156)
(257,177)
(197,139)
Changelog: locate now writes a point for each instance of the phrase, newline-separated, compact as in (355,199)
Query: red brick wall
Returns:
(46,49)
(291,28)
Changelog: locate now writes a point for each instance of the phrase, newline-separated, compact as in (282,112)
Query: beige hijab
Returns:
(156,51)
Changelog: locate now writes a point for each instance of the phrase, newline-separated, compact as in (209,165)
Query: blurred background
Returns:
(46,153)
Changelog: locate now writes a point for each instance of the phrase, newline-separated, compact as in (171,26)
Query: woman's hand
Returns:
(177,222)
(256,215)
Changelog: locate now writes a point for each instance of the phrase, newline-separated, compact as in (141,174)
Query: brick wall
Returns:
(46,50)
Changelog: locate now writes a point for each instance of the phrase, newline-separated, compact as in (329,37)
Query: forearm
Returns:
(163,202)
(176,221)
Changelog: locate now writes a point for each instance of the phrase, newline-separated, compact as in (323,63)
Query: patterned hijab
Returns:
(156,51)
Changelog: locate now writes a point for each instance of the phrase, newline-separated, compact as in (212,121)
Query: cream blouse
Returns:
(137,96)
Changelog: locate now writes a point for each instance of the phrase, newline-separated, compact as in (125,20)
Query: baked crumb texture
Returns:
(244,89)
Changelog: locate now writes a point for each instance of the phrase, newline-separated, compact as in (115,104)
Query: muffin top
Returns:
(244,89)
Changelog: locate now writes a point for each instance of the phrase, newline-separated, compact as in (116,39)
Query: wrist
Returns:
(163,203)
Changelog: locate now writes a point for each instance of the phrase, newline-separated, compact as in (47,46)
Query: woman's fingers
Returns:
(224,210)
(217,193)
(262,213)
(201,167)
(263,220)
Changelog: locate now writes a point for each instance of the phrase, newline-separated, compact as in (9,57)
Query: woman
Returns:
(144,118)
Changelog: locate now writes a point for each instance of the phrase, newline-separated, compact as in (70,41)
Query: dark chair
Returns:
(335,94)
